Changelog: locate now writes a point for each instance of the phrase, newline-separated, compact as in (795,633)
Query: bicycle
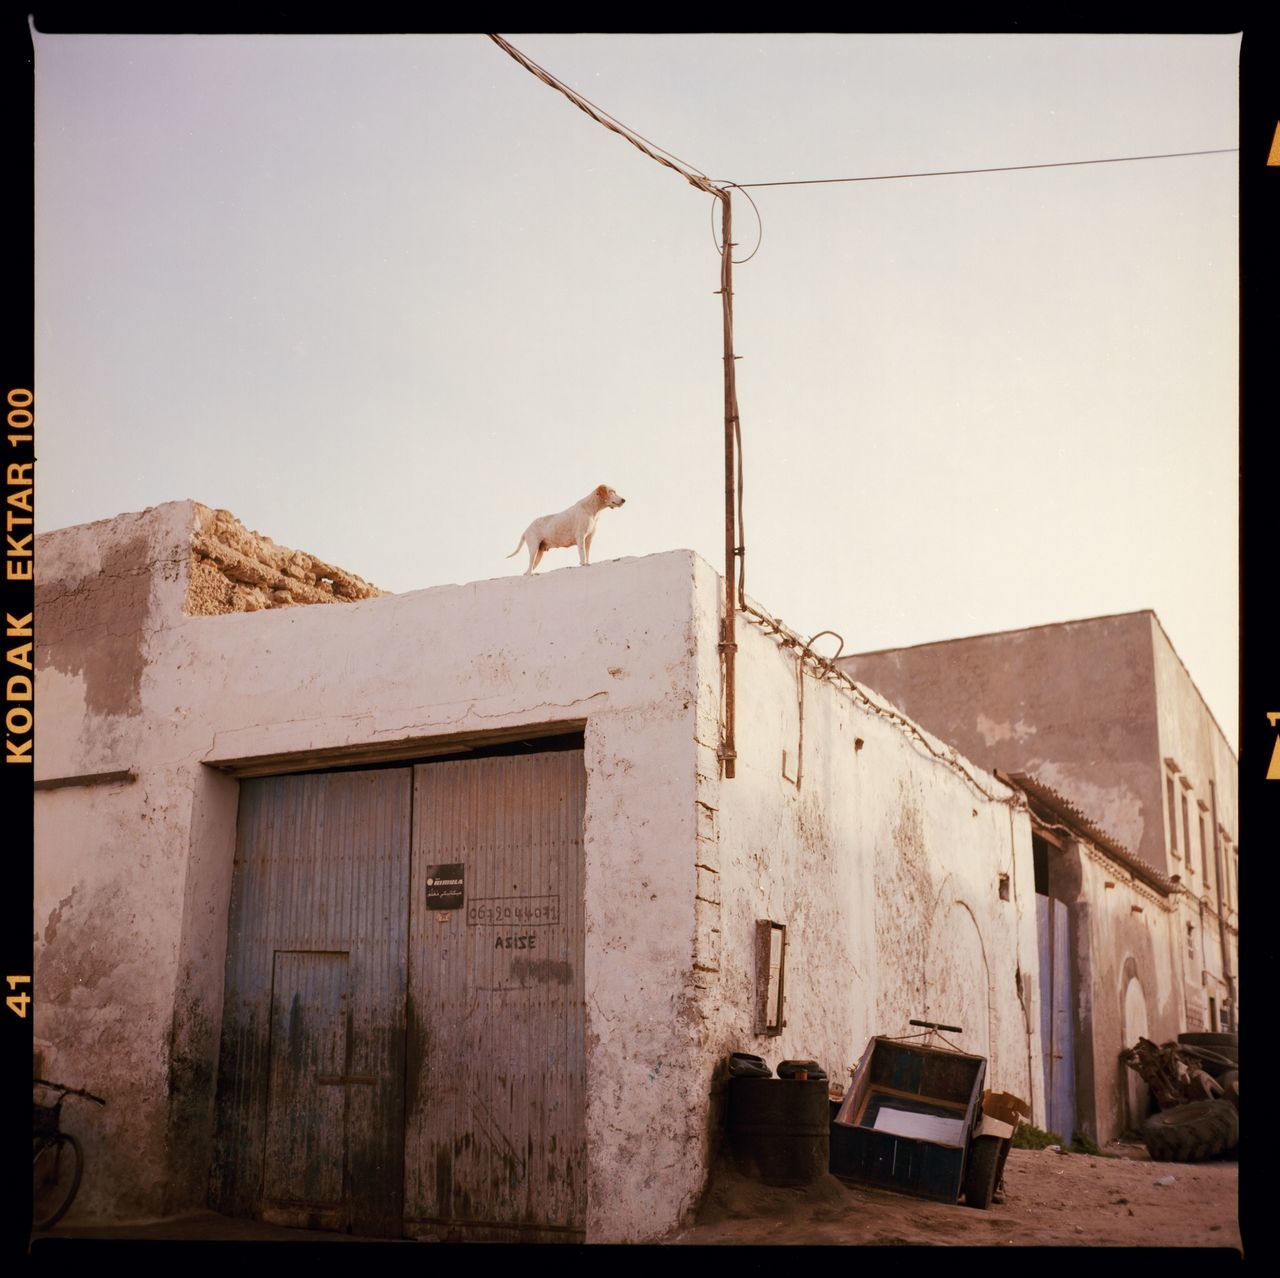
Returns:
(57,1161)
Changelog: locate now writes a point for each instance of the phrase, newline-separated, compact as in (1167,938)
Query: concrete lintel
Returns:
(122,777)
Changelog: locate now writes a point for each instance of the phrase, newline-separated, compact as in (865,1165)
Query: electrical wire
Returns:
(555,82)
(669,160)
(738,261)
(1000,168)
(825,669)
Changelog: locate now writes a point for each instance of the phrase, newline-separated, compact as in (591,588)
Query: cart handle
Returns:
(935,1025)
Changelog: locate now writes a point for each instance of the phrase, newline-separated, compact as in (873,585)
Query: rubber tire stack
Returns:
(1221,1052)
(1231,1087)
(1192,1133)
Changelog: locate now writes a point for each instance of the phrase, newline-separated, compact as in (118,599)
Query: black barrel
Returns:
(780,1129)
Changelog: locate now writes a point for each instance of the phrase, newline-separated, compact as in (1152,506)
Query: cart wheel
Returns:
(980,1170)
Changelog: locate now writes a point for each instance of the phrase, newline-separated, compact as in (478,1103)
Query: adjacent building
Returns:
(1133,791)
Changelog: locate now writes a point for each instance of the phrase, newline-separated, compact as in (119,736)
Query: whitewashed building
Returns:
(432,914)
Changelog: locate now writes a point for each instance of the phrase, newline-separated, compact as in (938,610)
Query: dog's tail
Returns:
(516,551)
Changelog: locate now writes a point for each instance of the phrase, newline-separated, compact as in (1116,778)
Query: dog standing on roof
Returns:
(573,527)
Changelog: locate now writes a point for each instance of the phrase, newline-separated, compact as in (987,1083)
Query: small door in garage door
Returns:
(311,1076)
(495,1140)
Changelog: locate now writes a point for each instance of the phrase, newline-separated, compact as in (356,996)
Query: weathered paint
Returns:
(1192,739)
(1104,712)
(311,1075)
(1091,708)
(147,875)
(495,1137)
(884,864)
(1057,1019)
(1125,951)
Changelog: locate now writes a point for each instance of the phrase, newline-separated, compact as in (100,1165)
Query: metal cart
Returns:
(916,1120)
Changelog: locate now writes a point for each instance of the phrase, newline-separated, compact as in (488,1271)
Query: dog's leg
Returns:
(535,556)
(586,547)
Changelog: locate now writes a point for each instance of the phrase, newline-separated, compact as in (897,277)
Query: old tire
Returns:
(1231,1087)
(789,1069)
(1192,1133)
(980,1171)
(1203,1039)
(1213,1062)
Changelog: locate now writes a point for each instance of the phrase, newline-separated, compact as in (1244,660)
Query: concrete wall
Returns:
(884,864)
(1074,704)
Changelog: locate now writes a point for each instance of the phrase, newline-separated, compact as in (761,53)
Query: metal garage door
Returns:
(398,1055)
(495,1142)
(311,1079)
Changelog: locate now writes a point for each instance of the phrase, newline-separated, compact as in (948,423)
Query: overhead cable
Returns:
(1001,168)
(694,176)
(824,669)
(738,261)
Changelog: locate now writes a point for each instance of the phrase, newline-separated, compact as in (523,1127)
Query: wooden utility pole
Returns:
(728,640)
(733,551)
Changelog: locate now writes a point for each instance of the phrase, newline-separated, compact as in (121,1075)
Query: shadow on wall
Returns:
(958,977)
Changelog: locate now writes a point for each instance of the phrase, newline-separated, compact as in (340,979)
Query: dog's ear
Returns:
(602,490)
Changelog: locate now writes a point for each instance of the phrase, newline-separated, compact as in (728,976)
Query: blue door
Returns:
(1057,1024)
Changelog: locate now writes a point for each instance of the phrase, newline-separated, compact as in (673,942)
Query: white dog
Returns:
(573,527)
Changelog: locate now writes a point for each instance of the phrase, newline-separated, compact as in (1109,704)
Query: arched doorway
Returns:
(1134,1026)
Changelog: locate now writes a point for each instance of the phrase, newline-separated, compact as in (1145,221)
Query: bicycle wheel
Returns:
(56,1171)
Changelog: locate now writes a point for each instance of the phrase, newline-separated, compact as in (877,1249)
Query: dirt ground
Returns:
(1050,1200)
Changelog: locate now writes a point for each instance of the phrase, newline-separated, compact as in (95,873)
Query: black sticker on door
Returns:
(444,887)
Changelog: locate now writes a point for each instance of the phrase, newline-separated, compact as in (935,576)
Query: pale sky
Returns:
(388,298)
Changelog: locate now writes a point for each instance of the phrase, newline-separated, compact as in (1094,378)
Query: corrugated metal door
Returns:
(311,1081)
(495,1141)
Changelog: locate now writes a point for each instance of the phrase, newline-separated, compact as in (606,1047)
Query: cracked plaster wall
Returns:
(1122,930)
(134,883)
(884,865)
(109,859)
(105,590)
(110,901)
